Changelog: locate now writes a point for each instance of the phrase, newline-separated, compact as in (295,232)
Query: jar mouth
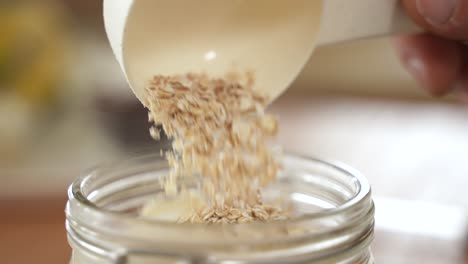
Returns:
(345,208)
(363,190)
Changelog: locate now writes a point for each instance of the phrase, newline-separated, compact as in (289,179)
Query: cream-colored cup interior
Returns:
(274,39)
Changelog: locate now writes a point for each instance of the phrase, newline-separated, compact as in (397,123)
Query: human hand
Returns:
(438,59)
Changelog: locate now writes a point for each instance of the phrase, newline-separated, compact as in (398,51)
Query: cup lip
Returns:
(363,192)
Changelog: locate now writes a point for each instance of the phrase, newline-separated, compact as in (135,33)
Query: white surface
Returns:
(412,150)
(420,218)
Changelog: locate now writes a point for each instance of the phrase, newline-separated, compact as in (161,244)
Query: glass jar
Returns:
(334,222)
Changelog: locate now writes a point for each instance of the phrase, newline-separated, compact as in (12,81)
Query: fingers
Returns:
(448,18)
(435,62)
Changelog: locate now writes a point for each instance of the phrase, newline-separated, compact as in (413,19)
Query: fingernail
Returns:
(416,67)
(437,12)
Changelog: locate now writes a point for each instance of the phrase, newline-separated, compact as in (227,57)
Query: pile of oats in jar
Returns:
(220,132)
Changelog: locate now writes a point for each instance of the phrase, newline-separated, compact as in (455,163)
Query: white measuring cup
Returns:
(272,38)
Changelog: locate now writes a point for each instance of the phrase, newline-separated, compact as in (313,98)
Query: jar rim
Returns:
(364,190)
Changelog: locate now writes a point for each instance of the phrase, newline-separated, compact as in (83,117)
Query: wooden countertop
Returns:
(32,230)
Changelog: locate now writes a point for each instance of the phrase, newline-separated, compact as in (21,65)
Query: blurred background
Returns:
(65,107)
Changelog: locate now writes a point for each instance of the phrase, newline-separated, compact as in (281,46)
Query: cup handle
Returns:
(345,20)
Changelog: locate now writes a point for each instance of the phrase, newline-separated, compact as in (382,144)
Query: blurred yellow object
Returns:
(32,50)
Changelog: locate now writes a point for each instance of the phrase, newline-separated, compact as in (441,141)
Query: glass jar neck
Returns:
(101,224)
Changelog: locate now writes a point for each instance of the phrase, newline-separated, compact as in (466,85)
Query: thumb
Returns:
(448,18)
